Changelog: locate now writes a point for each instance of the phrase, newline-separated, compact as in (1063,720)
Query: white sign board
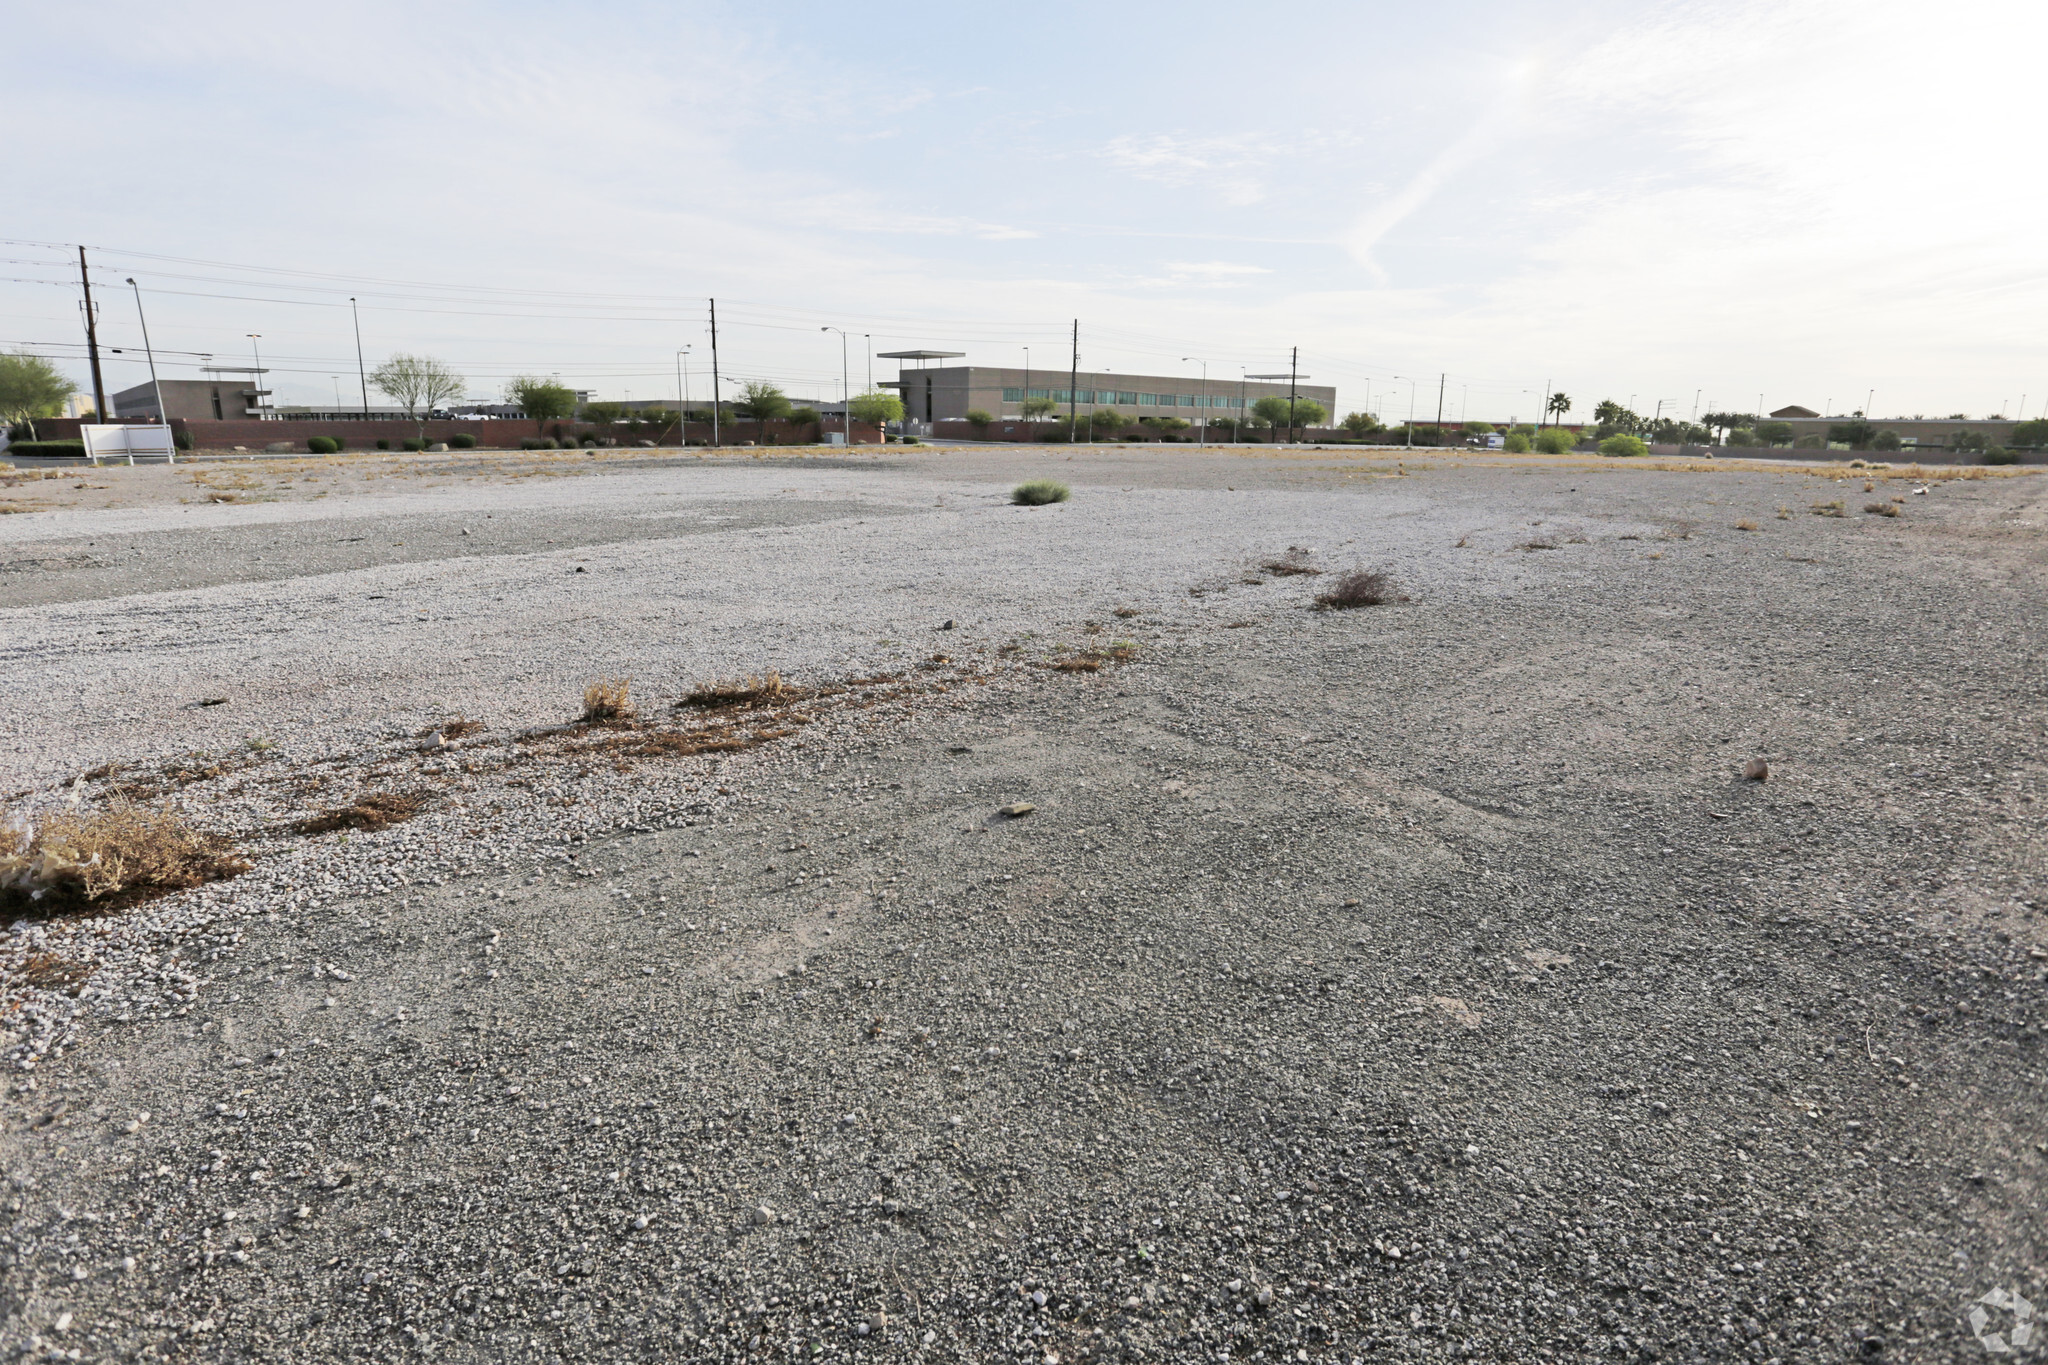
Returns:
(104,440)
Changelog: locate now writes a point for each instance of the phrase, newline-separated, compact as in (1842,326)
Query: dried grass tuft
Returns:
(1828,509)
(1039,492)
(1745,525)
(1359,588)
(369,811)
(608,699)
(1881,509)
(82,858)
(766,689)
(1293,564)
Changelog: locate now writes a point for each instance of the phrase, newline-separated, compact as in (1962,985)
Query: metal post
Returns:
(1074,385)
(254,338)
(683,398)
(1237,425)
(714,372)
(1440,408)
(163,414)
(1027,390)
(362,375)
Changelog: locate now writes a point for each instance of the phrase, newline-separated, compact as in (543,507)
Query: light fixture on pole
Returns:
(845,389)
(1292,379)
(163,414)
(1202,427)
(259,391)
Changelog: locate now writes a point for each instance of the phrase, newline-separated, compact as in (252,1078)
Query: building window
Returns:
(1148,400)
(1040,393)
(1013,395)
(1127,398)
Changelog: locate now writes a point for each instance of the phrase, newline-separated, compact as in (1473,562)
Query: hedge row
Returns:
(48,450)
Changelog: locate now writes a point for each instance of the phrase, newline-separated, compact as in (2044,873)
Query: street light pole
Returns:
(254,338)
(1202,429)
(683,398)
(1023,407)
(163,414)
(362,375)
(845,389)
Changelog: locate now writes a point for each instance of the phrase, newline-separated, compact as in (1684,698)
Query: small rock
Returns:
(947,626)
(1017,809)
(1756,770)
(761,1215)
(579,568)
(1264,1296)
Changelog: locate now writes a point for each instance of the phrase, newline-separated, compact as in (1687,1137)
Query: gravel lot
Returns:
(1415,982)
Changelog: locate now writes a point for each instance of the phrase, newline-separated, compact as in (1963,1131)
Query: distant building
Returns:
(933,395)
(222,399)
(1795,411)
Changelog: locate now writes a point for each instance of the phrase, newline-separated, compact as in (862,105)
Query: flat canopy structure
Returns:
(920,355)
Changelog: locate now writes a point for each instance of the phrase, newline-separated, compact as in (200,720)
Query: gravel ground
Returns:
(1416,982)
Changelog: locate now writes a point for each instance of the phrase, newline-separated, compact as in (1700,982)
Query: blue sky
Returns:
(1684,202)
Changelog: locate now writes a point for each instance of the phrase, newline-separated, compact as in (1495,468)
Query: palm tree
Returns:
(1557,406)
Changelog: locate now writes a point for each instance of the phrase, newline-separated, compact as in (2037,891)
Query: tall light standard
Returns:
(868,338)
(362,375)
(845,389)
(337,393)
(163,414)
(1202,430)
(1024,408)
(255,337)
(682,397)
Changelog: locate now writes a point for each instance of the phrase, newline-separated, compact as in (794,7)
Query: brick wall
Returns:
(491,434)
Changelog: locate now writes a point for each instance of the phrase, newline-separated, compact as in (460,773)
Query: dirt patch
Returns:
(370,811)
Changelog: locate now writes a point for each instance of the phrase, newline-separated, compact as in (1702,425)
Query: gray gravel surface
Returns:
(1414,982)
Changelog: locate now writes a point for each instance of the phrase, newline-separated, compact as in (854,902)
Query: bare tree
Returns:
(420,382)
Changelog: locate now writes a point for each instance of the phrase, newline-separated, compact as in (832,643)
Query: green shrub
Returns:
(1039,492)
(980,418)
(462,440)
(383,444)
(1555,441)
(1623,445)
(1742,437)
(182,439)
(1515,444)
(321,445)
(538,443)
(48,450)
(2000,455)
(2032,434)
(412,443)
(1886,440)
(1810,443)
(803,417)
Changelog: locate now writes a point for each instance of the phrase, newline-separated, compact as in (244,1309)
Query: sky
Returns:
(1682,207)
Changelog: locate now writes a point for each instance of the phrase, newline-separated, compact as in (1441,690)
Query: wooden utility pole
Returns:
(714,371)
(92,342)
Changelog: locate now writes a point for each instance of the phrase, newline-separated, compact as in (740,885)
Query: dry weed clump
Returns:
(1745,525)
(1092,660)
(747,693)
(1359,588)
(369,811)
(75,858)
(1293,564)
(608,699)
(1828,509)
(1881,509)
